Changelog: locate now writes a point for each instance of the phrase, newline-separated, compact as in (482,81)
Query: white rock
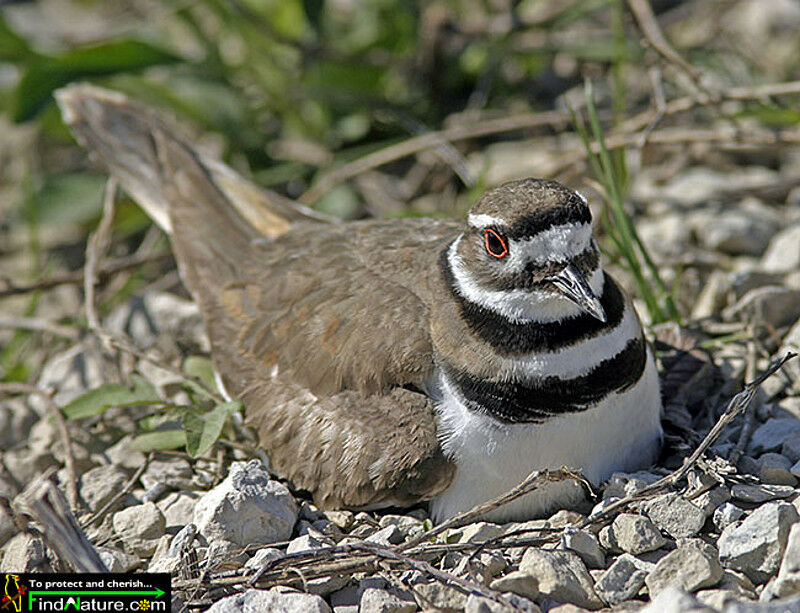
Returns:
(516,604)
(675,515)
(247,508)
(276,600)
(376,600)
(791,605)
(140,527)
(666,235)
(438,596)
(23,554)
(518,582)
(72,373)
(760,493)
(776,305)
(726,514)
(223,555)
(307,542)
(156,315)
(692,566)
(178,507)
(755,546)
(263,556)
(120,454)
(99,485)
(675,600)
(585,544)
(118,561)
(737,231)
(390,535)
(636,534)
(622,581)
(783,252)
(712,499)
(562,577)
(341,519)
(175,473)
(477,532)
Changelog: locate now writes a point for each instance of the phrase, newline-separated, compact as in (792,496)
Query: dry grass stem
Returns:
(533,481)
(9,288)
(44,502)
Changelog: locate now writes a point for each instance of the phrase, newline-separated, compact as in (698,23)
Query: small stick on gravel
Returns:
(61,426)
(654,36)
(101,512)
(44,502)
(468,587)
(749,412)
(96,248)
(533,481)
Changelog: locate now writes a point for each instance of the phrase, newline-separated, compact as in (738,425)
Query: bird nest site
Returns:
(387,307)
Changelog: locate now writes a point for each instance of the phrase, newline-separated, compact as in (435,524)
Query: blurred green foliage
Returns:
(299,85)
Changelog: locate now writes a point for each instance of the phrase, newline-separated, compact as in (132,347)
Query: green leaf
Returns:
(203,429)
(95,401)
(47,73)
(172,438)
(201,368)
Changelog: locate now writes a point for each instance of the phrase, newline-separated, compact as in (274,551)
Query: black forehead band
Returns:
(573,211)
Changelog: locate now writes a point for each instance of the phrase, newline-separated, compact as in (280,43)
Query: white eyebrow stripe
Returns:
(556,244)
(481,220)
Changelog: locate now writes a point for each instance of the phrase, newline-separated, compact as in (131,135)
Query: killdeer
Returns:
(392,362)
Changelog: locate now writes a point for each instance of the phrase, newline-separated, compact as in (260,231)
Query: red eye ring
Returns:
(495,243)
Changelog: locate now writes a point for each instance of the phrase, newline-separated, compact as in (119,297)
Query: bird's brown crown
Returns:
(528,206)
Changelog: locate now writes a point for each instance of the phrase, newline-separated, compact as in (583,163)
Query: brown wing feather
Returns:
(310,308)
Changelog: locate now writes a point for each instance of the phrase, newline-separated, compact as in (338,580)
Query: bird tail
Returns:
(131,140)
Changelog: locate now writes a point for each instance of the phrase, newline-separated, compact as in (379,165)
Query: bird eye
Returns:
(495,243)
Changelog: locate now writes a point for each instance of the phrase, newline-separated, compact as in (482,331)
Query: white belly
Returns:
(621,433)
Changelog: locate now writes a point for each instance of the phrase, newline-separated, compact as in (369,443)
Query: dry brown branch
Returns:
(468,587)
(44,502)
(129,485)
(416,144)
(749,412)
(688,103)
(555,120)
(652,33)
(38,325)
(725,138)
(9,288)
(96,248)
(69,459)
(533,481)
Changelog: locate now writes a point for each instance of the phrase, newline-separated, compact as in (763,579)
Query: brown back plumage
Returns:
(315,329)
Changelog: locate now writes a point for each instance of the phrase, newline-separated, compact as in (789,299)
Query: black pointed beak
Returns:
(572,283)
